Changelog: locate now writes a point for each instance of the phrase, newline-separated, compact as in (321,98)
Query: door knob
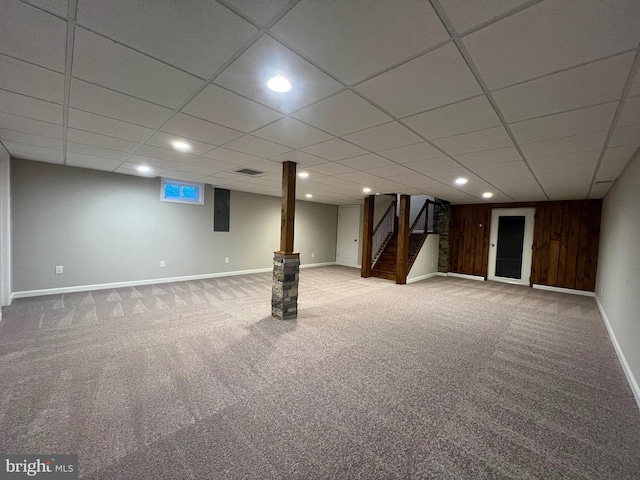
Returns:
(493,244)
(355,239)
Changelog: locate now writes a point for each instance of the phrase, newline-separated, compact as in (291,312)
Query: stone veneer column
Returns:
(441,217)
(284,294)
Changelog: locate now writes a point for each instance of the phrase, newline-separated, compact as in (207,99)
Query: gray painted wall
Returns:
(5,228)
(105,228)
(618,278)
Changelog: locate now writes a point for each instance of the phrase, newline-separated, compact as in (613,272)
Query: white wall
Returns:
(5,228)
(426,264)
(108,228)
(618,277)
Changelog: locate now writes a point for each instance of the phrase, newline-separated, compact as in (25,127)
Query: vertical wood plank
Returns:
(468,259)
(473,242)
(591,263)
(288,211)
(583,244)
(546,238)
(367,236)
(564,243)
(572,245)
(538,228)
(486,230)
(402,258)
(554,251)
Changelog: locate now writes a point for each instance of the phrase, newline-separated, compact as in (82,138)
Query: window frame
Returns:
(199,200)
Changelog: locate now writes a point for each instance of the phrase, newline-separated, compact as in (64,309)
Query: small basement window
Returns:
(181,192)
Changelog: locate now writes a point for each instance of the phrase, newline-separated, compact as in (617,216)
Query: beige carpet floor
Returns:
(444,378)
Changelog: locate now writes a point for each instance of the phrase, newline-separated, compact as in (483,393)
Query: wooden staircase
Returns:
(385,266)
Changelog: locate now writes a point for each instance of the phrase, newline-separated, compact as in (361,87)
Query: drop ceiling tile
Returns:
(509,51)
(58,7)
(365,162)
(268,166)
(93,151)
(191,127)
(475,185)
(635,86)
(267,58)
(575,122)
(301,158)
(186,176)
(614,161)
(488,157)
(384,137)
(513,178)
(261,11)
(164,154)
(194,169)
(34,152)
(102,125)
(214,165)
(230,110)
(591,84)
(599,191)
(29,139)
(199,36)
(164,140)
(426,167)
(27,79)
(32,35)
(559,146)
(97,140)
(630,113)
(625,136)
(557,175)
(568,159)
(412,153)
(291,132)
(29,125)
(393,170)
(335,149)
(229,156)
(488,139)
(94,99)
(469,115)
(158,166)
(356,39)
(362,178)
(558,192)
(421,182)
(341,114)
(124,70)
(24,106)
(465,14)
(326,180)
(256,146)
(95,163)
(217,181)
(331,168)
(432,80)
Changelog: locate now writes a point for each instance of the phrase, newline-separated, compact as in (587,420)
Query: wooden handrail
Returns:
(393,204)
(415,222)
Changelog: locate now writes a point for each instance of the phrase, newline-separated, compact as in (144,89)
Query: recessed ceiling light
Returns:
(279,84)
(487,194)
(366,190)
(181,146)
(303,175)
(308,195)
(461,181)
(144,169)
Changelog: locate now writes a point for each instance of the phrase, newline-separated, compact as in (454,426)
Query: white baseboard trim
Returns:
(135,283)
(633,384)
(442,274)
(572,291)
(421,277)
(464,275)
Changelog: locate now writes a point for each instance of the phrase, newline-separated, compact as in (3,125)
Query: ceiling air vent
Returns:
(248,171)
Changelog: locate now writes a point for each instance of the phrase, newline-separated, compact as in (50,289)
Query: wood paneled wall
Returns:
(565,241)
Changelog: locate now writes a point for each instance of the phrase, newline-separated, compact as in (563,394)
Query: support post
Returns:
(286,263)
(402,259)
(367,236)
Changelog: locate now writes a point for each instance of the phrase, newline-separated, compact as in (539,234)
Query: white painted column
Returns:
(5,229)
